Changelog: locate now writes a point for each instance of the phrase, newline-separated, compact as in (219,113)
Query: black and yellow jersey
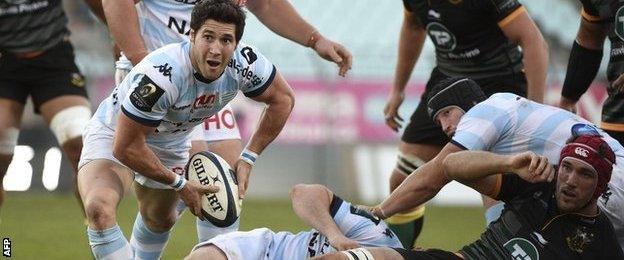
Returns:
(610,15)
(467,35)
(531,227)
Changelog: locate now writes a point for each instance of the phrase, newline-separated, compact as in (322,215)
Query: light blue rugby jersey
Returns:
(162,91)
(506,123)
(164,21)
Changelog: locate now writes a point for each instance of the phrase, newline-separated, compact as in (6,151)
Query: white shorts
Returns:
(221,126)
(612,203)
(97,143)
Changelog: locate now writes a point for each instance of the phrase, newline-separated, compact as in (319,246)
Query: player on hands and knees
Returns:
(542,218)
(141,131)
(337,224)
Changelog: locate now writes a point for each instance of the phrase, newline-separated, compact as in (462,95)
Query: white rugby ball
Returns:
(222,208)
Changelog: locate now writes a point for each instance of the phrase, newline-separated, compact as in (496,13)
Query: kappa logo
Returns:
(249,55)
(165,69)
(581,151)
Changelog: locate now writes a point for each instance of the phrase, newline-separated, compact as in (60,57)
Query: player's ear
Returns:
(192,36)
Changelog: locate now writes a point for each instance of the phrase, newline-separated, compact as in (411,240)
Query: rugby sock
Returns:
(109,244)
(206,230)
(145,243)
(407,226)
(493,213)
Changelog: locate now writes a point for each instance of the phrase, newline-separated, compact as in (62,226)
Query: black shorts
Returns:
(49,75)
(429,254)
(421,128)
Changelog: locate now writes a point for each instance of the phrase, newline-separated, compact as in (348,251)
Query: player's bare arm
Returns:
(311,204)
(482,170)
(280,100)
(522,30)
(123,24)
(590,36)
(411,41)
(130,148)
(282,18)
(419,187)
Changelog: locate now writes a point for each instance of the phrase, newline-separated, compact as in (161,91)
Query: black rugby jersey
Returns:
(31,25)
(610,15)
(467,36)
(531,227)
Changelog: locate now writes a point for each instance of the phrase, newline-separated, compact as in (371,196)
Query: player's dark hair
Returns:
(224,11)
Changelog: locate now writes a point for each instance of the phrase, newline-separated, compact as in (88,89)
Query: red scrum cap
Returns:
(596,153)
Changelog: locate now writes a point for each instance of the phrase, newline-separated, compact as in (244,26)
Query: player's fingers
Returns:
(543,162)
(552,172)
(533,164)
(207,189)
(346,55)
(242,187)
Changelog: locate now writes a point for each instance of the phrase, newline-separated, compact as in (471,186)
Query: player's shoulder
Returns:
(246,54)
(169,65)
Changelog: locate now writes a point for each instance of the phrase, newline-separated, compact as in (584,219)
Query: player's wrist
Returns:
(313,38)
(178,183)
(379,212)
(248,156)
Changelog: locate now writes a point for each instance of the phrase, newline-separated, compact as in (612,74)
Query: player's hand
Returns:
(391,111)
(340,242)
(191,195)
(243,170)
(334,52)
(567,104)
(532,167)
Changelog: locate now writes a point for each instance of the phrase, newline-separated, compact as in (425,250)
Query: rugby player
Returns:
(542,219)
(600,19)
(504,123)
(337,224)
(37,61)
(480,39)
(141,131)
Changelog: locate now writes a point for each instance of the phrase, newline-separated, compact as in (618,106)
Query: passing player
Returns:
(479,39)
(337,224)
(600,19)
(37,61)
(141,131)
(504,123)
(542,219)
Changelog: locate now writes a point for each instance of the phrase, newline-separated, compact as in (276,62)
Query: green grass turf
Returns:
(50,226)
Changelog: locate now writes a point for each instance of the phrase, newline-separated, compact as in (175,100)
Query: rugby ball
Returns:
(222,208)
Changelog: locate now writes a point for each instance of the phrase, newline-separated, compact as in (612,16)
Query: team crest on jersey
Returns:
(146,94)
(77,80)
(619,23)
(442,37)
(521,249)
(205,101)
(578,241)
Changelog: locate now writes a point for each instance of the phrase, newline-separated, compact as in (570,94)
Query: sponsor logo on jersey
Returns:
(249,55)
(434,14)
(146,94)
(205,101)
(442,37)
(245,72)
(580,151)
(179,26)
(165,70)
(521,249)
(77,80)
(578,241)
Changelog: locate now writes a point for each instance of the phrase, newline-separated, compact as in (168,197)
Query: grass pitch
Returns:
(50,225)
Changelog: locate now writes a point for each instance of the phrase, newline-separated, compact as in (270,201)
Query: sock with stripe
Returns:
(206,230)
(146,243)
(109,244)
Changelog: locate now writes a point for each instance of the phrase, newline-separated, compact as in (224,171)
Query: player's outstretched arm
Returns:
(282,18)
(130,148)
(311,203)
(419,187)
(411,41)
(523,31)
(481,170)
(280,101)
(583,63)
(123,24)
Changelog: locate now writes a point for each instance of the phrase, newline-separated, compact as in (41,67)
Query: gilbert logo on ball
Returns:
(221,208)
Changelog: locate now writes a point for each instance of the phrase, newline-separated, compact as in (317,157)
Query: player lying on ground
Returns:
(542,219)
(504,123)
(337,224)
(143,127)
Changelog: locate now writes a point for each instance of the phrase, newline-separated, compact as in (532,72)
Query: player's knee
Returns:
(100,212)
(206,252)
(159,223)
(69,123)
(302,190)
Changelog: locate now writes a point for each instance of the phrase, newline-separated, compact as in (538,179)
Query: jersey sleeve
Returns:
(502,11)
(149,98)
(481,127)
(255,72)
(510,185)
(589,11)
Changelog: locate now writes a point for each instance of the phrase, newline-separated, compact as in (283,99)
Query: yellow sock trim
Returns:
(402,218)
